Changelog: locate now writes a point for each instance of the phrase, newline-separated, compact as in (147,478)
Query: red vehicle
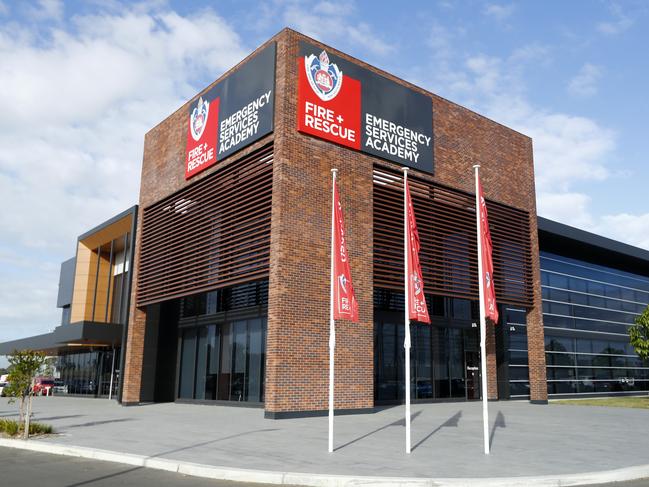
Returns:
(43,386)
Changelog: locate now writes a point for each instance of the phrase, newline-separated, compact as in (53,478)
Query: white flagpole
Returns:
(483,324)
(332,323)
(406,342)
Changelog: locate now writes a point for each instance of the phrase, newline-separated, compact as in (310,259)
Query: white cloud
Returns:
(499,12)
(620,21)
(47,10)
(632,229)
(569,149)
(75,111)
(569,208)
(584,84)
(331,22)
(535,52)
(439,40)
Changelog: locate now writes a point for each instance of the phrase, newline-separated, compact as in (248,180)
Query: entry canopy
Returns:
(66,337)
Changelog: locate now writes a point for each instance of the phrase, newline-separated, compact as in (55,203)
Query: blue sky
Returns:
(83,81)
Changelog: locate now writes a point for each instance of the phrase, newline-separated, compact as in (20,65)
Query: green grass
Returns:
(12,428)
(612,402)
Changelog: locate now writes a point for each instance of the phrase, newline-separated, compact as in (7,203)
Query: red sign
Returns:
(491,310)
(329,105)
(202,135)
(416,300)
(345,305)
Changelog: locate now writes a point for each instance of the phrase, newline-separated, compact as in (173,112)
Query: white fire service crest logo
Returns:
(417,283)
(325,78)
(343,282)
(198,119)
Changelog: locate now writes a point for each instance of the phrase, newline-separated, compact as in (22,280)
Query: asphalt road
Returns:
(634,483)
(20,467)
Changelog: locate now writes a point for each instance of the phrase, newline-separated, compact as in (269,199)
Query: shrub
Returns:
(9,426)
(13,428)
(40,429)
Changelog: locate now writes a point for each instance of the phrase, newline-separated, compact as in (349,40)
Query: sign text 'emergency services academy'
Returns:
(233,114)
(352,106)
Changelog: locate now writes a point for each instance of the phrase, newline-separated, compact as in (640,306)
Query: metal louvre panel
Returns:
(211,234)
(446,224)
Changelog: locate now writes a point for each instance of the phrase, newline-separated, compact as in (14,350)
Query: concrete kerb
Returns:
(323,480)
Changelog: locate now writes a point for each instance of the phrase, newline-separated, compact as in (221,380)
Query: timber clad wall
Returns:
(449,254)
(214,233)
(298,300)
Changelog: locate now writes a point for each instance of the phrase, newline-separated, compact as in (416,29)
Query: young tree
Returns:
(639,335)
(23,368)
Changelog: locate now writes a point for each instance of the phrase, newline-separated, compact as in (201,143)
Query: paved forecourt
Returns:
(527,440)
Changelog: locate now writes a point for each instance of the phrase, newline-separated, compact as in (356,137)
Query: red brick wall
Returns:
(298,316)
(297,352)
(163,173)
(297,340)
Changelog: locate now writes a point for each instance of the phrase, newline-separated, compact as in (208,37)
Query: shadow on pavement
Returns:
(499,423)
(196,445)
(400,422)
(95,423)
(51,418)
(104,477)
(450,422)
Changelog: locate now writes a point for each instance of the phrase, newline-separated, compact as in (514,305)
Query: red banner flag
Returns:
(345,305)
(491,310)
(416,300)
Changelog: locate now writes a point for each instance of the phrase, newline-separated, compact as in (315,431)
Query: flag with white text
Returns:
(491,310)
(345,305)
(416,300)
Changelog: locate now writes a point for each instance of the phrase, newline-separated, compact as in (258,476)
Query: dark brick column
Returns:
(298,316)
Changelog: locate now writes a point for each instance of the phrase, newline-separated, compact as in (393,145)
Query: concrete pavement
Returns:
(543,442)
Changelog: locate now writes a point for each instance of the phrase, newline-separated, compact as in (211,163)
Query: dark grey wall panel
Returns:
(66,283)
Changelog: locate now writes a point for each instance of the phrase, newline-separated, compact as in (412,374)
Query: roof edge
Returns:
(591,239)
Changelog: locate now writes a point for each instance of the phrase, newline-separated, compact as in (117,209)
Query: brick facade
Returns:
(298,309)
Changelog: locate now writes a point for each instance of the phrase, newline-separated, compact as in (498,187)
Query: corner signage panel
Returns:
(343,103)
(233,114)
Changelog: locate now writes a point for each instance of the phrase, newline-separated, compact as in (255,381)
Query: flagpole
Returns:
(332,322)
(483,324)
(406,342)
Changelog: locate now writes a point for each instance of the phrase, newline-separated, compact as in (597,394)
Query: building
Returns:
(230,294)
(94,297)
(593,289)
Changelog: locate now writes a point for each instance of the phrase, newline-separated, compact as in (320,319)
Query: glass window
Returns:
(187,364)
(518,373)
(518,358)
(239,354)
(201,363)
(423,362)
(461,309)
(213,350)
(255,360)
(518,339)
(223,392)
(559,344)
(456,362)
(519,388)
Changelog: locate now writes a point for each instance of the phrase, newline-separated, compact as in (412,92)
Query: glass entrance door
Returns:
(472,362)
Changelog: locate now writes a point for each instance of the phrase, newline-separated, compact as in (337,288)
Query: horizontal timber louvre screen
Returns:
(447,231)
(211,234)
